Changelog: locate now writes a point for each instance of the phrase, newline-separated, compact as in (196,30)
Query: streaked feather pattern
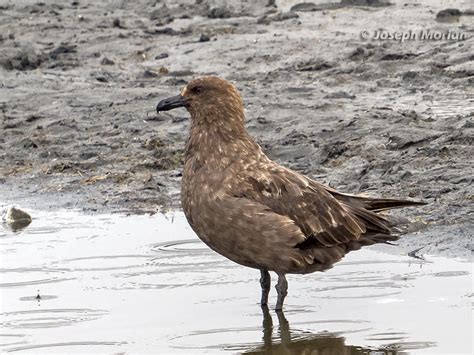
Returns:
(258,213)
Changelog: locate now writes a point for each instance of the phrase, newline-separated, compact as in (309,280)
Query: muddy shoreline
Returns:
(79,83)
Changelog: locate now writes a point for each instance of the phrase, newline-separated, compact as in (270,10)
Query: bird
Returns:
(256,212)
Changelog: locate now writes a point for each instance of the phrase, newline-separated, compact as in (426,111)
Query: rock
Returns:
(15,218)
(26,59)
(279,16)
(409,75)
(107,61)
(398,56)
(448,15)
(161,56)
(62,49)
(373,3)
(33,118)
(101,78)
(305,7)
(220,12)
(163,70)
(148,73)
(204,38)
(63,56)
(116,23)
(29,143)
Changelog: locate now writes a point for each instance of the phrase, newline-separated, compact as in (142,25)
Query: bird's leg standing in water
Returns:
(282,290)
(265,281)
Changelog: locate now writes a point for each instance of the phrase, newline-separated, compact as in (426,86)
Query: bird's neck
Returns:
(218,145)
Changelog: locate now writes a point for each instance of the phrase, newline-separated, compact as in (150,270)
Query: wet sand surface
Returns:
(79,82)
(119,284)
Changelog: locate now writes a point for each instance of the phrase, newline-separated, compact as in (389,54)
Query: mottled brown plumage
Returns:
(256,212)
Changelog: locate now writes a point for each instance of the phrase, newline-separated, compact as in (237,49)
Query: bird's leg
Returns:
(282,290)
(265,281)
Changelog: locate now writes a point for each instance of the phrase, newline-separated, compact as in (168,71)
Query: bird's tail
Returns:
(376,220)
(381,204)
(373,203)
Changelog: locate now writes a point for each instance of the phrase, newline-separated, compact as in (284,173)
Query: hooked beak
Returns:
(171,103)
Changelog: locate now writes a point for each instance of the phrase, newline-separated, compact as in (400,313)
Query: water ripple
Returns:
(48,318)
(67,344)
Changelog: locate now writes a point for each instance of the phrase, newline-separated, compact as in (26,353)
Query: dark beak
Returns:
(171,103)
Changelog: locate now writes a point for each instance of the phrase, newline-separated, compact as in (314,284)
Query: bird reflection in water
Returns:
(290,342)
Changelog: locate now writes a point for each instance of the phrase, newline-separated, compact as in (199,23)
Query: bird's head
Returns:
(208,99)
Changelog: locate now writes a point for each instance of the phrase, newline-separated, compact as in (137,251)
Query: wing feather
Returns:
(324,220)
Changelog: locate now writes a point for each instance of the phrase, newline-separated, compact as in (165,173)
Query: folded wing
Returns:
(324,220)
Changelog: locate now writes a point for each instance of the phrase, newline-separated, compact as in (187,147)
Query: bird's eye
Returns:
(197,89)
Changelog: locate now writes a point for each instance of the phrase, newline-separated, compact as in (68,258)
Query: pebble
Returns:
(15,218)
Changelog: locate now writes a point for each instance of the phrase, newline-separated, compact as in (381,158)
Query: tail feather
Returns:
(372,221)
(373,203)
(381,204)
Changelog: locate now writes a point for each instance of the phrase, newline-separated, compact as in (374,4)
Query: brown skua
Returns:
(256,212)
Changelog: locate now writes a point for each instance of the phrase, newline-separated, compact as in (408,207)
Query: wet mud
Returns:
(79,82)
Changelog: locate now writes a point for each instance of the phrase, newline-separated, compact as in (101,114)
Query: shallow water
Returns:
(118,284)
